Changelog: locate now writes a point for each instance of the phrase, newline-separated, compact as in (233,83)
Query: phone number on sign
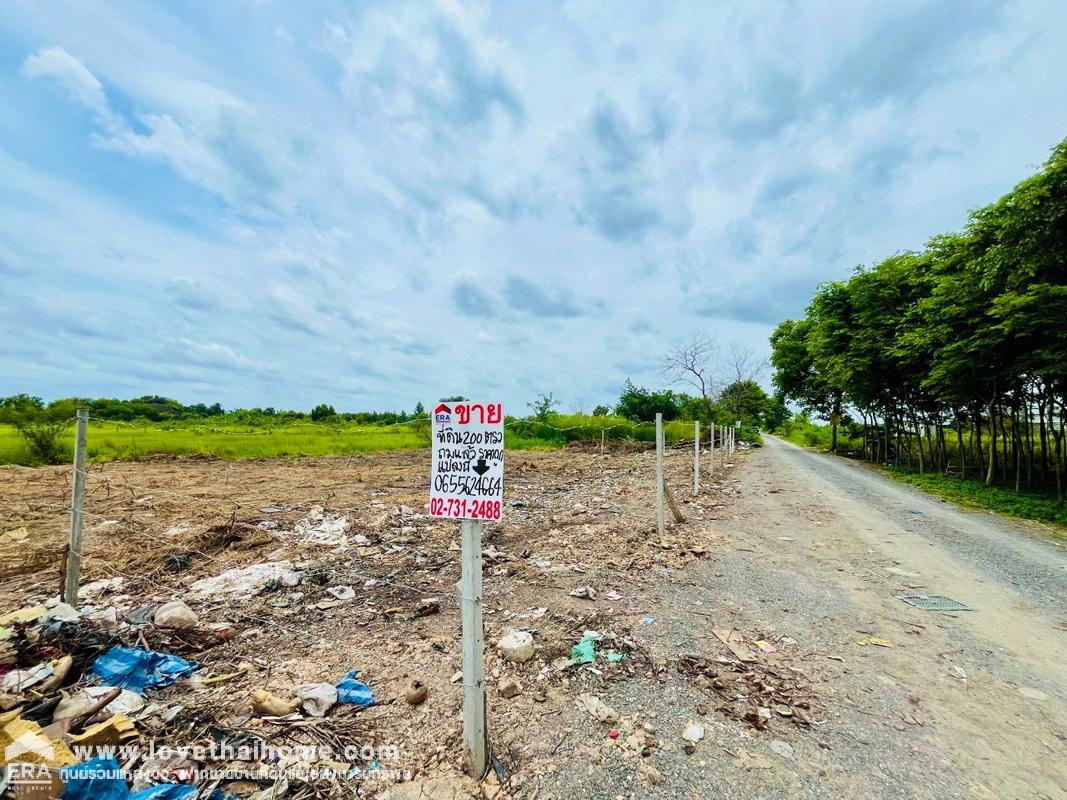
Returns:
(464,509)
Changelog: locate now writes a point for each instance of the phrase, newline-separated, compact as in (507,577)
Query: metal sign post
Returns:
(467,483)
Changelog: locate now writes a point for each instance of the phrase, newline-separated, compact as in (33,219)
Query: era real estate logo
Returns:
(442,415)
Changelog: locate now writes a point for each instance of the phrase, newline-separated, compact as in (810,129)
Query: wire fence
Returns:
(122,509)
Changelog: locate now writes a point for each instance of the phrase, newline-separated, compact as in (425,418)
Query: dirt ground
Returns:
(573,518)
(830,686)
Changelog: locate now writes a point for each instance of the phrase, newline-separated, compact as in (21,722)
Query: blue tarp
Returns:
(98,778)
(349,690)
(101,778)
(166,791)
(136,669)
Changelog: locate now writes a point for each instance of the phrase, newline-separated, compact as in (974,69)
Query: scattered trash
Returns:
(613,596)
(508,688)
(784,749)
(19,680)
(649,620)
(85,700)
(24,615)
(265,704)
(354,692)
(516,645)
(958,672)
(112,732)
(613,734)
(736,644)
(584,652)
(693,732)
(342,592)
(62,612)
(176,614)
(243,582)
(136,669)
(614,657)
(316,698)
(23,740)
(597,708)
(60,669)
(933,602)
(584,593)
(415,692)
(750,690)
(320,528)
(766,646)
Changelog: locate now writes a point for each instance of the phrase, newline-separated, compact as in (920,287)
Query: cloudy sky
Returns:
(369,204)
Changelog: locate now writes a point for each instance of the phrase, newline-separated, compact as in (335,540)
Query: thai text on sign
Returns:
(467,472)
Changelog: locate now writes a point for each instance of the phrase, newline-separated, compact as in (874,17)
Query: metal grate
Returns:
(933,602)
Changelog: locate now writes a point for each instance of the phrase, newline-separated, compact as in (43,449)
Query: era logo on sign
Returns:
(442,415)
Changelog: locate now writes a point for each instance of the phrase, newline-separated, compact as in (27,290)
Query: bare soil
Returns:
(832,687)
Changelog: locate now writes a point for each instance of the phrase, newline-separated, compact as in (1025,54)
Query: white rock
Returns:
(516,645)
(176,614)
(693,732)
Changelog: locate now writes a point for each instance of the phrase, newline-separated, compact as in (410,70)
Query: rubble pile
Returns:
(755,691)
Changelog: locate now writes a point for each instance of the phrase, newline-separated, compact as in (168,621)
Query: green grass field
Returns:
(120,442)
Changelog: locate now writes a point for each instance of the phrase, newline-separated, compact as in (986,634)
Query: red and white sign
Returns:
(467,474)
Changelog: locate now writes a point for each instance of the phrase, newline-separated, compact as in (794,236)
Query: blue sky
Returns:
(371,204)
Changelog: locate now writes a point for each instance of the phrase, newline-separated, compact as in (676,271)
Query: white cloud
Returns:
(56,64)
(400,201)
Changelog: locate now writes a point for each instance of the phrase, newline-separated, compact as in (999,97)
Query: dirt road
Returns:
(961,705)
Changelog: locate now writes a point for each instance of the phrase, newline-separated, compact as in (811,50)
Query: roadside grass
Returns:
(973,494)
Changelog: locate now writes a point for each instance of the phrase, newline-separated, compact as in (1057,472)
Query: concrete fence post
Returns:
(72,573)
(661,523)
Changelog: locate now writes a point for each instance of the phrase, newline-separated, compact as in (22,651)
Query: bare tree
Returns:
(742,364)
(693,363)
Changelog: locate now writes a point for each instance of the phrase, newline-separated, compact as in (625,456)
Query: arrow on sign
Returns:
(481,467)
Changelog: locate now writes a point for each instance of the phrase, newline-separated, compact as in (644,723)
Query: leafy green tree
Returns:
(322,411)
(641,405)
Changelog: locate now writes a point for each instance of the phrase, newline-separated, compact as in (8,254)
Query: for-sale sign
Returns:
(467,475)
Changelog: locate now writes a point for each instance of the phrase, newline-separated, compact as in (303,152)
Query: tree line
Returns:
(954,358)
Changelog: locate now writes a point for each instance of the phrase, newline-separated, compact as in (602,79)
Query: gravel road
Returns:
(816,549)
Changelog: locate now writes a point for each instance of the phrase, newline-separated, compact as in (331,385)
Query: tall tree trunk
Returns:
(959,445)
(1042,408)
(992,444)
